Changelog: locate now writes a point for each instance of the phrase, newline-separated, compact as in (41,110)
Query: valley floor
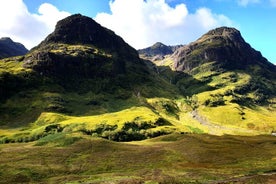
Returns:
(175,158)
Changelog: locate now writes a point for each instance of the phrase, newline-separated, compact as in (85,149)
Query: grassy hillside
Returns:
(226,89)
(211,102)
(173,158)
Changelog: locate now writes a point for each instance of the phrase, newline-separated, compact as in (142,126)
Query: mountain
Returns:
(205,108)
(9,48)
(229,76)
(81,69)
(157,51)
(85,79)
(225,47)
(223,50)
(79,40)
(81,55)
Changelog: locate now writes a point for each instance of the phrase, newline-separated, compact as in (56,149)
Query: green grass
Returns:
(142,122)
(131,124)
(173,158)
(64,126)
(213,93)
(59,139)
(12,65)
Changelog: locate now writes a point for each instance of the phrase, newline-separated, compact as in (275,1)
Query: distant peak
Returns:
(9,48)
(158,44)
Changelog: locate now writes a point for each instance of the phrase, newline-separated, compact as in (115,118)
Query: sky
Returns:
(141,23)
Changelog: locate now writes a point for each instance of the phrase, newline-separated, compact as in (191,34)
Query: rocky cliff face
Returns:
(9,48)
(224,46)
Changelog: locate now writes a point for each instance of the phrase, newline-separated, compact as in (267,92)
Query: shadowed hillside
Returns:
(9,48)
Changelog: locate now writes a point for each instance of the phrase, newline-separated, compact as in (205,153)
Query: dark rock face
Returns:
(101,51)
(78,29)
(224,46)
(9,48)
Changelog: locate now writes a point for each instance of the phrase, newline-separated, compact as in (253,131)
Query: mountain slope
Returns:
(81,69)
(9,48)
(241,82)
(224,50)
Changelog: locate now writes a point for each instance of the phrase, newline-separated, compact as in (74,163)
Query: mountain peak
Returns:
(224,46)
(158,44)
(76,29)
(6,39)
(80,41)
(223,33)
(79,29)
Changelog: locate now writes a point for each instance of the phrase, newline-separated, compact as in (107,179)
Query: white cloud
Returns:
(246,2)
(273,2)
(22,26)
(142,23)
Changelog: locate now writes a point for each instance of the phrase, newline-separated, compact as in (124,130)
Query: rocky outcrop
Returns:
(9,48)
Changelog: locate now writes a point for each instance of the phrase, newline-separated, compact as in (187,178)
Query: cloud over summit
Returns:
(142,23)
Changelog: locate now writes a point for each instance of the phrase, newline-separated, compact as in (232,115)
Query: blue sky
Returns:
(142,23)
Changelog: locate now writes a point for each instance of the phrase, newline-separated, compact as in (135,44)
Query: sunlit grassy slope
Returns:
(130,115)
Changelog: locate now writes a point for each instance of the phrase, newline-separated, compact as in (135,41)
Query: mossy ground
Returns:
(172,158)
(63,127)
